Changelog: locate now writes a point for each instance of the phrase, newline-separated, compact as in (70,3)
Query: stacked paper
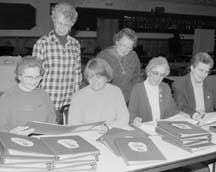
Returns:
(185,135)
(23,153)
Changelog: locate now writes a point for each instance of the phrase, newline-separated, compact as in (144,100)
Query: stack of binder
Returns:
(62,153)
(133,146)
(185,135)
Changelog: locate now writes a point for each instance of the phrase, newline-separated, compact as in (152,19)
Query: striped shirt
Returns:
(62,65)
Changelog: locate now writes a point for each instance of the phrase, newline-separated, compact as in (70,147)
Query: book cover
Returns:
(182,129)
(13,144)
(109,137)
(138,150)
(53,129)
(70,146)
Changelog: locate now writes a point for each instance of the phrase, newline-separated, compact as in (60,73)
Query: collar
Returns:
(194,83)
(53,37)
(150,85)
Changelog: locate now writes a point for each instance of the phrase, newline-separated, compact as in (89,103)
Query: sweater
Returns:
(107,105)
(18,107)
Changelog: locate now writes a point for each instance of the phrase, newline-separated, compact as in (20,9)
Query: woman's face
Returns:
(62,26)
(97,82)
(29,79)
(124,46)
(156,75)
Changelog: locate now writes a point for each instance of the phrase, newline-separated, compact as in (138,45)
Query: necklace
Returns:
(121,65)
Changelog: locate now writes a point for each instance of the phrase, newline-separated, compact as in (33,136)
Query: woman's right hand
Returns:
(22,130)
(137,122)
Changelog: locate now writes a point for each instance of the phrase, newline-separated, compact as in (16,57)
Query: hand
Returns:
(137,122)
(198,116)
(102,129)
(22,130)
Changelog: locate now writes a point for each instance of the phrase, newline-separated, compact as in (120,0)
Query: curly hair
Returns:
(131,34)
(67,10)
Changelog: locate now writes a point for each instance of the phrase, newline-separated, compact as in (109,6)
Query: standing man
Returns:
(193,93)
(60,54)
(123,60)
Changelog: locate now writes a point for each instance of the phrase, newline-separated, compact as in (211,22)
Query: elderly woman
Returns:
(25,102)
(98,101)
(123,60)
(151,100)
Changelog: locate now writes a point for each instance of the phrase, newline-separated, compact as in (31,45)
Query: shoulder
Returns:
(112,88)
(44,39)
(165,86)
(10,93)
(106,53)
(74,41)
(138,87)
(41,93)
(181,80)
(83,93)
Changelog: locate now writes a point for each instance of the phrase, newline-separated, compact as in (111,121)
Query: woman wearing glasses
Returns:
(151,100)
(25,102)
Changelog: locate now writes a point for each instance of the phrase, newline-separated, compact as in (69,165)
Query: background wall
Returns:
(44,21)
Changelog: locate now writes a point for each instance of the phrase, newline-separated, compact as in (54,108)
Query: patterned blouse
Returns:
(62,65)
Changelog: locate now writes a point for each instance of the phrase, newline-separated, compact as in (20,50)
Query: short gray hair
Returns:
(158,61)
(68,11)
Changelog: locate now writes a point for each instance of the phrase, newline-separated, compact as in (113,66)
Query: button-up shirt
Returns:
(62,65)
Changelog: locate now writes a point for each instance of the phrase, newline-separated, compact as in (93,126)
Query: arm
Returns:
(122,114)
(172,108)
(137,72)
(77,70)
(5,114)
(180,99)
(133,104)
(51,115)
(74,113)
(38,50)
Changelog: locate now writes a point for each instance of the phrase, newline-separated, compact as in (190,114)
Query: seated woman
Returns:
(25,102)
(99,100)
(151,100)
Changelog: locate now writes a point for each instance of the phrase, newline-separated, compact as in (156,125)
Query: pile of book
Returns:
(185,135)
(61,153)
(133,146)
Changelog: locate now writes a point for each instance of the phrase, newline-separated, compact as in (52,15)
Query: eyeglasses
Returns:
(156,73)
(33,77)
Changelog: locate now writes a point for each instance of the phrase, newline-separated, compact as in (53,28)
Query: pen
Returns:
(203,115)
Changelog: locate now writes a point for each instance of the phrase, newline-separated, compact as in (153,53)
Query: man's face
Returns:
(200,71)
(62,25)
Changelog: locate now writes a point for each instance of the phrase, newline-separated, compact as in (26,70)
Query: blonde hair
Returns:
(100,67)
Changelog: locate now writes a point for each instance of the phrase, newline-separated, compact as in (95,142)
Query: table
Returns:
(176,157)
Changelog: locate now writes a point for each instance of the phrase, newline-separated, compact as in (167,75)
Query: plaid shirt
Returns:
(62,65)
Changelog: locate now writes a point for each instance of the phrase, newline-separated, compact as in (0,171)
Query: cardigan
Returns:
(139,105)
